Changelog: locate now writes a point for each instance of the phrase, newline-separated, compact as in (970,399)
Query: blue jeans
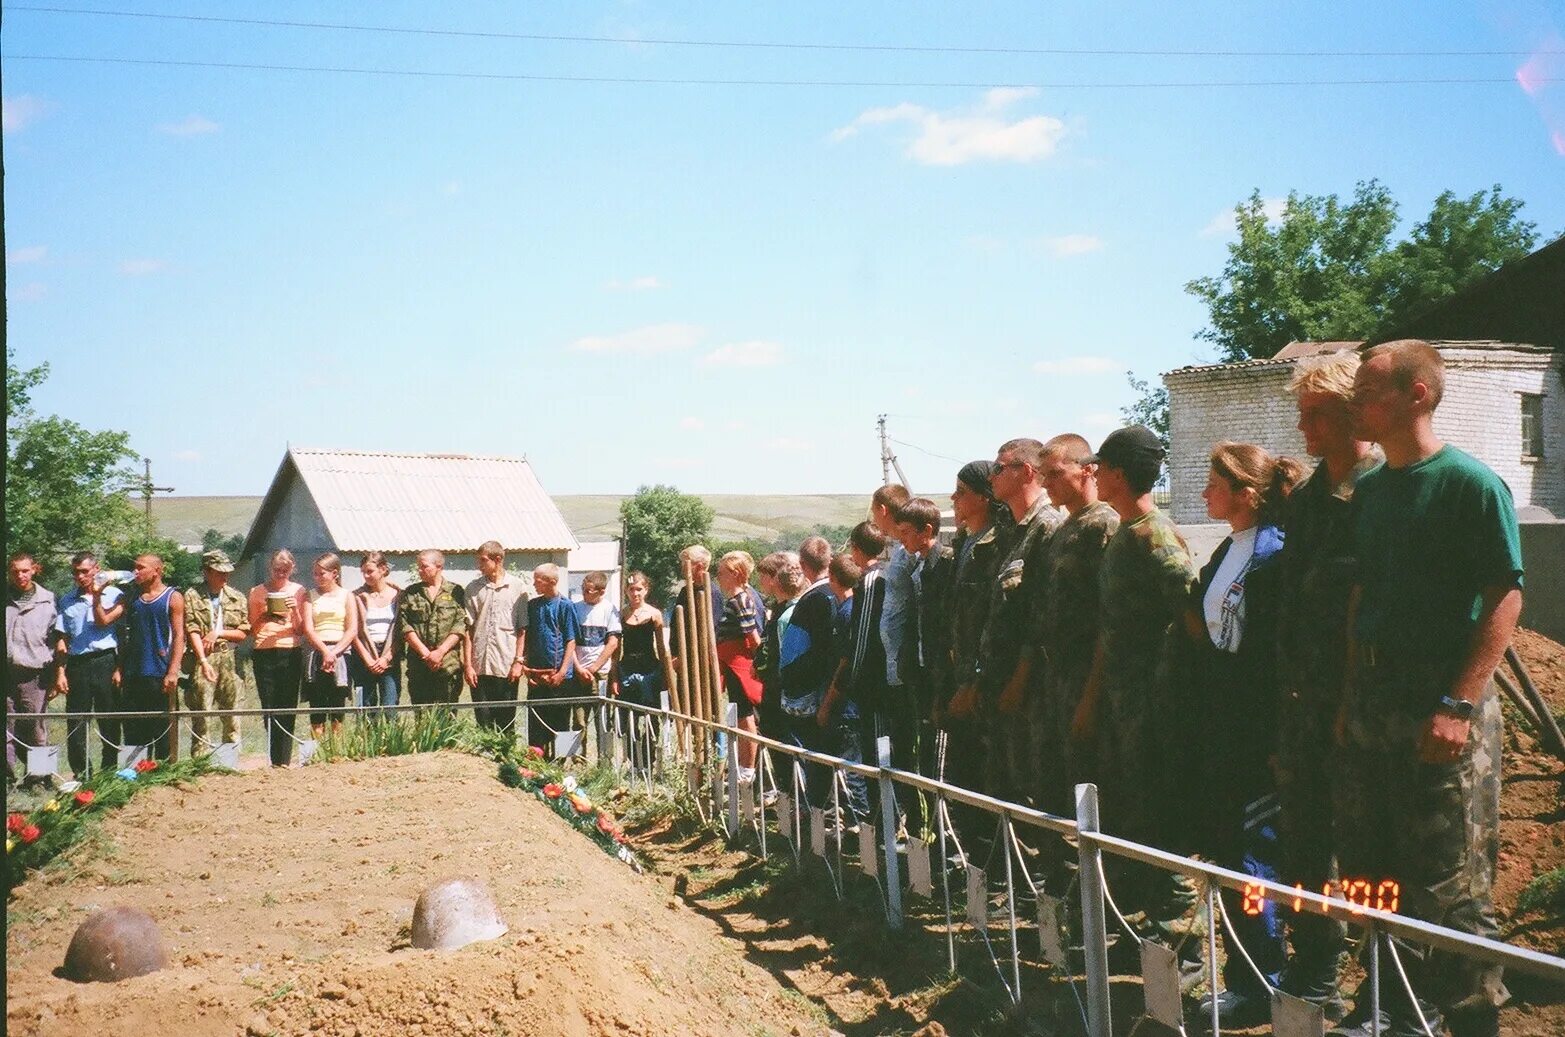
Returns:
(1261,933)
(642,689)
(377,689)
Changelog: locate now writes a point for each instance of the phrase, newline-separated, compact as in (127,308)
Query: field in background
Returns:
(591,516)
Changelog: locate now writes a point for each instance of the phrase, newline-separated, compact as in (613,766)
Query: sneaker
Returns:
(1237,1010)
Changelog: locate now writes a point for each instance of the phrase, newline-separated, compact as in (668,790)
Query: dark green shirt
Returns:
(1068,622)
(1021,586)
(434,619)
(1145,581)
(1429,538)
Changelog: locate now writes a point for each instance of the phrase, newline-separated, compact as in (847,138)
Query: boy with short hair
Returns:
(859,686)
(926,652)
(549,647)
(598,623)
(897,573)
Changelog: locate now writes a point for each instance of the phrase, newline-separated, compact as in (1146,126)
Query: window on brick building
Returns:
(1532,424)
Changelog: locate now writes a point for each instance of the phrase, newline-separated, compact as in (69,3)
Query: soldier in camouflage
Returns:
(1124,714)
(1315,572)
(217,619)
(1067,632)
(432,620)
(981,521)
(1007,651)
(1434,605)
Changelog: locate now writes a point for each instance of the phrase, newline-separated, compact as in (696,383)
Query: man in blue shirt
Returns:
(88,649)
(549,645)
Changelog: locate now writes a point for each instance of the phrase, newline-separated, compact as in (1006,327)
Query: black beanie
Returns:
(975,475)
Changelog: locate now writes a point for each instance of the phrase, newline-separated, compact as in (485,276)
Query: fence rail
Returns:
(659,742)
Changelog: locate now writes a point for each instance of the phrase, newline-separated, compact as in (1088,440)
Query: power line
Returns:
(773,45)
(931,453)
(657,81)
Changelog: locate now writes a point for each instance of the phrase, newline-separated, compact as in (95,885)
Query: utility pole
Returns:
(148,488)
(888,460)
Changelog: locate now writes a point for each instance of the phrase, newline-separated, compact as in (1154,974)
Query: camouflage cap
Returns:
(217,560)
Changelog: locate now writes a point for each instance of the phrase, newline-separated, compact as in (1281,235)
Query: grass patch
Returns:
(404,735)
(1545,893)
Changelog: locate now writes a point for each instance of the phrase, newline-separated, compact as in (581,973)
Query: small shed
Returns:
(352,501)
(597,556)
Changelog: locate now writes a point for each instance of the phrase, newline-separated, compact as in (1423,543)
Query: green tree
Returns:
(1329,269)
(234,545)
(65,485)
(659,522)
(1150,407)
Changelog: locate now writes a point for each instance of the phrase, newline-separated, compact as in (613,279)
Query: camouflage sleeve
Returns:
(1175,575)
(1036,587)
(198,619)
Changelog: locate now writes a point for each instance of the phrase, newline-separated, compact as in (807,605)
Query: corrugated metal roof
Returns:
(1294,350)
(1288,355)
(409,502)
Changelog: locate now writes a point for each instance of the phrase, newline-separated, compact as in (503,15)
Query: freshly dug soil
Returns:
(286,898)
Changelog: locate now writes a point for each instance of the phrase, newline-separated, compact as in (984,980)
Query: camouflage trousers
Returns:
(1062,762)
(1306,775)
(222,693)
(1137,790)
(1432,828)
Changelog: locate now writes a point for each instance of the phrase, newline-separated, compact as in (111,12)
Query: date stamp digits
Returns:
(1356,894)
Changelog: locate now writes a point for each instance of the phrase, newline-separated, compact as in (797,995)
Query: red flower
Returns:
(553,791)
(15,822)
(535,752)
(529,775)
(143,766)
(85,797)
(606,823)
(29,833)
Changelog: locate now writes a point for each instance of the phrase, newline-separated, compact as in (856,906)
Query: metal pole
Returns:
(1373,937)
(1211,953)
(1094,928)
(731,718)
(945,879)
(1010,904)
(888,823)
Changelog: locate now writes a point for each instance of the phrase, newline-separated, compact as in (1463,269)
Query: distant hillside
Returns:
(591,516)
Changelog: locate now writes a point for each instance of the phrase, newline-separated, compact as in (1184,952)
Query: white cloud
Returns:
(142,267)
(190,126)
(979,134)
(755,353)
(1067,245)
(32,291)
(647,283)
(734,426)
(692,424)
(1223,223)
(17,113)
(1078,365)
(191,456)
(651,339)
(451,188)
(29,254)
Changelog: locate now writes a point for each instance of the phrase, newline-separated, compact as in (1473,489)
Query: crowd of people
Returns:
(1314,705)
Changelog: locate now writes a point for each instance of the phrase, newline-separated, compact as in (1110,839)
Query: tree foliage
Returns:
(1329,269)
(1150,407)
(65,485)
(659,522)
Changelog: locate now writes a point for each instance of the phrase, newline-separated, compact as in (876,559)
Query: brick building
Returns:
(1504,404)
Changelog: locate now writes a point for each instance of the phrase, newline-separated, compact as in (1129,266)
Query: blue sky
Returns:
(718,286)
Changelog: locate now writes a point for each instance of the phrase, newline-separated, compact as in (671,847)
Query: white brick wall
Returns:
(1481,413)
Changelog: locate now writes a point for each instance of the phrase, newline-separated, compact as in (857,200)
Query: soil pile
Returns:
(286,900)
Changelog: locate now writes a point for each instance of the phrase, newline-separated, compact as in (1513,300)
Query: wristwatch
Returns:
(1459,708)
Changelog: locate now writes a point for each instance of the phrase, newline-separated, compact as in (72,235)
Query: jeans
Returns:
(1261,933)
(278,674)
(642,689)
(146,695)
(376,689)
(91,680)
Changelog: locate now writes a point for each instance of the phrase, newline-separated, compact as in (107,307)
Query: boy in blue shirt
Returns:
(548,649)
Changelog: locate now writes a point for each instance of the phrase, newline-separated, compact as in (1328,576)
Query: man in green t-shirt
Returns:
(1436,600)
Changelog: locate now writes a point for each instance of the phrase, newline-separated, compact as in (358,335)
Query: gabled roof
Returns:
(373,501)
(1295,350)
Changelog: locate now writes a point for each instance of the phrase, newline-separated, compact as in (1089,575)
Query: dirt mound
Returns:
(286,899)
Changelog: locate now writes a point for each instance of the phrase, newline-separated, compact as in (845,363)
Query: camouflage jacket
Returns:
(1145,586)
(433,620)
(972,576)
(1069,620)
(1316,575)
(235,610)
(1020,588)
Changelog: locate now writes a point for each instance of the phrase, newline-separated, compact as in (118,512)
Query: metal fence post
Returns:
(605,738)
(1094,927)
(888,827)
(731,719)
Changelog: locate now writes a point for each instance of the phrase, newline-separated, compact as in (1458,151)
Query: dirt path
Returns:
(286,897)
